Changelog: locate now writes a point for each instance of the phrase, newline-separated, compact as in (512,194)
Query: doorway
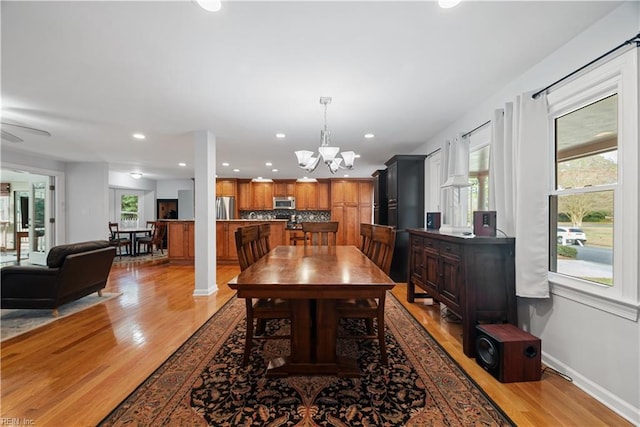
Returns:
(167,209)
(27,216)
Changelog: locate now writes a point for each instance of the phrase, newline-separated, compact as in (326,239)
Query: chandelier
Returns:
(308,161)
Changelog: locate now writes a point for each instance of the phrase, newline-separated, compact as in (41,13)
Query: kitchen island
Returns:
(225,236)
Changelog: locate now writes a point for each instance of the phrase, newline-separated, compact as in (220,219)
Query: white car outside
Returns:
(571,236)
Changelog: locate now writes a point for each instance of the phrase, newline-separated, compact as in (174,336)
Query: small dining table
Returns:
(133,234)
(312,278)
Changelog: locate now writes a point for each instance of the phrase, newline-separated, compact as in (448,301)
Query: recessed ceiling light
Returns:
(357,156)
(236,170)
(274,170)
(447,4)
(280,135)
(136,175)
(183,164)
(346,175)
(225,164)
(139,136)
(268,164)
(369,135)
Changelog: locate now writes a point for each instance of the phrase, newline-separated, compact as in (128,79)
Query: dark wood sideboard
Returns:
(474,277)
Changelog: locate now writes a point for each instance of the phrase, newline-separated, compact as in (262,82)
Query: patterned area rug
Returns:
(202,383)
(146,257)
(14,322)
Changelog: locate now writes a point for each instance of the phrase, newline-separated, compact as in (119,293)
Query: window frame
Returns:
(618,75)
(478,140)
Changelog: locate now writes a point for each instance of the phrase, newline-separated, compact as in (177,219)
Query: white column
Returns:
(205,215)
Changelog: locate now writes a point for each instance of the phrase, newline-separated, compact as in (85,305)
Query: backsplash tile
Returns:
(301,216)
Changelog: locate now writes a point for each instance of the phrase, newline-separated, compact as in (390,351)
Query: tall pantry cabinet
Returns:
(405,206)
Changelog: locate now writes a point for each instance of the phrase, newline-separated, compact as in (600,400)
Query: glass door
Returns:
(39,227)
(33,202)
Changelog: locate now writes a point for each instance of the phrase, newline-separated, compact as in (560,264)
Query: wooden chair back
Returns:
(158,233)
(247,241)
(366,233)
(113,230)
(264,245)
(320,233)
(383,242)
(116,240)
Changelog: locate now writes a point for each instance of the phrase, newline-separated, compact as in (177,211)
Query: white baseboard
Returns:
(613,402)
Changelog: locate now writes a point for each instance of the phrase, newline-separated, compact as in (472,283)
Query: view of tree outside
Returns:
(589,171)
(129,209)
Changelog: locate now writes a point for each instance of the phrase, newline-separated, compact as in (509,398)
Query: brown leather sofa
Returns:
(73,271)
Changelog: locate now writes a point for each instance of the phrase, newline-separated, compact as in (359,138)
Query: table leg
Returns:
(314,331)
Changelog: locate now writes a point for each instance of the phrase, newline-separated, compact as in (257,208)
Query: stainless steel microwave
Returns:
(284,202)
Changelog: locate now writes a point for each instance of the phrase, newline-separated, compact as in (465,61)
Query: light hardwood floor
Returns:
(74,371)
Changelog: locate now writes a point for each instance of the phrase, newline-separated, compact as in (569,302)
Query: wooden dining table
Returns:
(312,278)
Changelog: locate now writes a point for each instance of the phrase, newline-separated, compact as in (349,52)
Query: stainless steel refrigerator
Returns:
(225,207)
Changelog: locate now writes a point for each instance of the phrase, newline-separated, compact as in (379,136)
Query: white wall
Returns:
(168,188)
(601,351)
(87,201)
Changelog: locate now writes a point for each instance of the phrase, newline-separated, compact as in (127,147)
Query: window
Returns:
(586,177)
(479,153)
(129,211)
(593,197)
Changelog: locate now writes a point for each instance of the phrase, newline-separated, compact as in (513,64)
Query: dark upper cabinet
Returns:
(405,191)
(405,206)
(380,206)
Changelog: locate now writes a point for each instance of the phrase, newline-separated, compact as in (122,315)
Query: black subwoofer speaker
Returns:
(508,353)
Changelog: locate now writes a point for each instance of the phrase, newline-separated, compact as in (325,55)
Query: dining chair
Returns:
(264,244)
(366,232)
(247,241)
(116,240)
(320,233)
(260,309)
(158,231)
(381,249)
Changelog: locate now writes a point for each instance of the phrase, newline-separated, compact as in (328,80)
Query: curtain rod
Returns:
(476,128)
(433,152)
(635,40)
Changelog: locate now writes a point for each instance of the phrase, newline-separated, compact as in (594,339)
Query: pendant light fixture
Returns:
(308,161)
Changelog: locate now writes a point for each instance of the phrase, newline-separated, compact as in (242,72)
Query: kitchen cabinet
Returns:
(306,196)
(351,204)
(261,196)
(254,196)
(473,277)
(324,194)
(180,241)
(284,188)
(226,187)
(244,201)
(405,205)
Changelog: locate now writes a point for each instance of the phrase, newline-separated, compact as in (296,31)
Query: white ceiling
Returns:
(93,73)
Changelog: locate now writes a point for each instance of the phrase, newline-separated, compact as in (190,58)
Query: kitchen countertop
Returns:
(253,220)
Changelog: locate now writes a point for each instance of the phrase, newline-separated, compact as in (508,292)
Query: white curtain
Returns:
(520,171)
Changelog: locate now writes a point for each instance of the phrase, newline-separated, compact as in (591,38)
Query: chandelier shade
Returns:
(329,154)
